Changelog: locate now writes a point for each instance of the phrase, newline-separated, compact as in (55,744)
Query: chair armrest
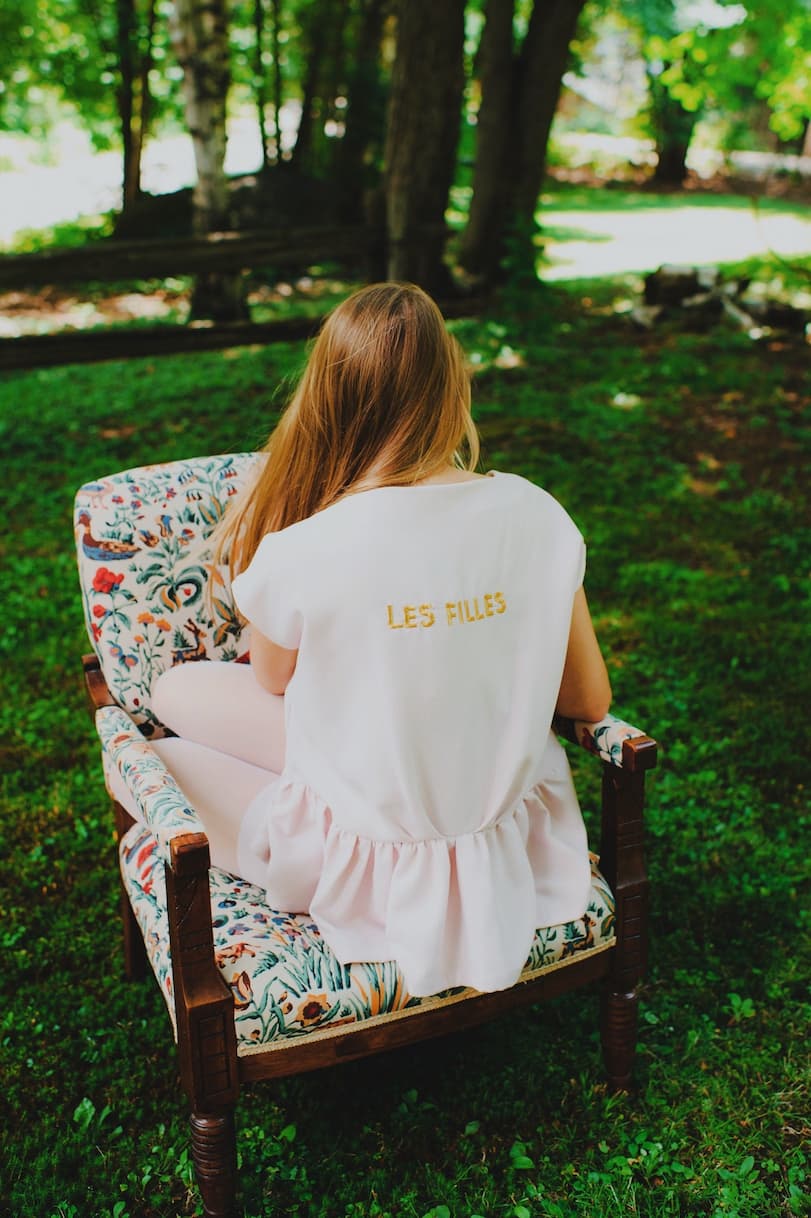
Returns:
(164,806)
(97,689)
(612,740)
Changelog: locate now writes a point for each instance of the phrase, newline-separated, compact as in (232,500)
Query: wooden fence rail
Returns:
(92,346)
(108,261)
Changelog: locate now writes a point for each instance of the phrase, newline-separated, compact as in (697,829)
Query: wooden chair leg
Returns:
(618,1023)
(136,961)
(214,1152)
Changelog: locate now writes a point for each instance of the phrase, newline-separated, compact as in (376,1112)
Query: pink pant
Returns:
(229,746)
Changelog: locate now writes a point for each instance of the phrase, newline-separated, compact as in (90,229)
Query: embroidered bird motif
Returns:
(109,549)
(240,985)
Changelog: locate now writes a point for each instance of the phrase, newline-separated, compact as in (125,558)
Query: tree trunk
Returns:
(200,37)
(125,30)
(317,37)
(357,169)
(496,82)
(519,99)
(673,129)
(540,77)
(804,143)
(143,112)
(135,57)
(422,134)
(314,150)
(259,78)
(277,79)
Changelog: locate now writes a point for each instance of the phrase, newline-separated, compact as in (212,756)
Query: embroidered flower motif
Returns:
(312,1011)
(234,951)
(106,580)
(162,624)
(99,611)
(145,618)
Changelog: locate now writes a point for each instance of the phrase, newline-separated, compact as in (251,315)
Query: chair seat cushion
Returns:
(285,980)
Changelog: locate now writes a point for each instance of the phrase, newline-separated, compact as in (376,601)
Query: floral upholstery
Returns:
(605,739)
(285,980)
(163,803)
(144,568)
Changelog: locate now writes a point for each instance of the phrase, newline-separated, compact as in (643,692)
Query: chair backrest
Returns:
(145,567)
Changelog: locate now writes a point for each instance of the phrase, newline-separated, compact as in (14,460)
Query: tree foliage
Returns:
(727,57)
(326,82)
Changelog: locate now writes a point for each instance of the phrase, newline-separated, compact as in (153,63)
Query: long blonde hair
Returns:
(384,400)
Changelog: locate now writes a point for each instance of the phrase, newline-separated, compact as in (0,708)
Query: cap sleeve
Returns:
(581,560)
(265,593)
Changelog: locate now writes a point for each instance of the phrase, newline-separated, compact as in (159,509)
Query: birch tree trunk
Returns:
(422,134)
(200,38)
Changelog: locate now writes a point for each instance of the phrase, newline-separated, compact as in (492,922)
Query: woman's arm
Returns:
(273,665)
(585,691)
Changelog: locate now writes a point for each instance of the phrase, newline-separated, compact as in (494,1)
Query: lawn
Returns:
(683,456)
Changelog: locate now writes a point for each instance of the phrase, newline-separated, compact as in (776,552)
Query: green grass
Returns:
(683,458)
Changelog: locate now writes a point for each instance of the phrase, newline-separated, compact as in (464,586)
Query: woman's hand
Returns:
(273,665)
(585,691)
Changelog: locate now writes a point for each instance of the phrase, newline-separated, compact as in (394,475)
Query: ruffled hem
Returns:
(451,912)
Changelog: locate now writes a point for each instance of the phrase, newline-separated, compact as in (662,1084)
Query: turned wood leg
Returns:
(618,1019)
(214,1151)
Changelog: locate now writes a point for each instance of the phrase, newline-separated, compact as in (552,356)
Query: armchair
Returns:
(253,992)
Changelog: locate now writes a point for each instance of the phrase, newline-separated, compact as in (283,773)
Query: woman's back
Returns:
(431,625)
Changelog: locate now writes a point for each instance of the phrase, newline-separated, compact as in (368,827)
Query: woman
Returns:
(387,762)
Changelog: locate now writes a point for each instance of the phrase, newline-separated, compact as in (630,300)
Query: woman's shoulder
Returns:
(521,489)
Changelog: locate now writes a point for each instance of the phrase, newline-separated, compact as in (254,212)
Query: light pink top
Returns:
(425,814)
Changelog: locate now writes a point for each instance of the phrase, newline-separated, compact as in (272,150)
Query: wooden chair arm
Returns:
(98,691)
(612,740)
(164,807)
(626,754)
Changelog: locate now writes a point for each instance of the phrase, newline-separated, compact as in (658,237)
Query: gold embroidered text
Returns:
(476,609)
(410,617)
(457,613)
